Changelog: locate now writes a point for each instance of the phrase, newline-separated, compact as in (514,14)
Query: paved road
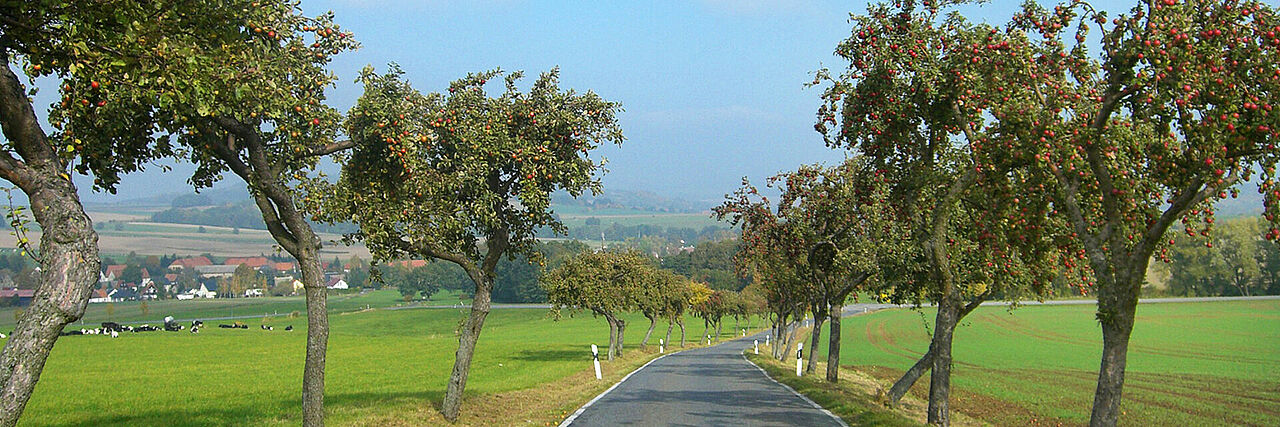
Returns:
(707,386)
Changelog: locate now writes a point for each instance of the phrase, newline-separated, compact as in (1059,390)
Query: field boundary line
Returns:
(575,415)
(792,390)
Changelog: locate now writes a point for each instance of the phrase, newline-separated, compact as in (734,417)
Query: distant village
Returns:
(200,277)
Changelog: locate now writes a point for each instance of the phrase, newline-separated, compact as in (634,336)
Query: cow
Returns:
(111,326)
(226,326)
(197,323)
(195,329)
(288,328)
(115,334)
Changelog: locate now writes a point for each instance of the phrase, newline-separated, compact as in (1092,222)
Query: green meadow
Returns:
(385,367)
(1189,363)
(153,311)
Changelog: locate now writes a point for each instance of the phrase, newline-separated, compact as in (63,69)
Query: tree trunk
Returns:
(68,270)
(790,333)
(670,325)
(940,381)
(815,338)
(613,337)
(1117,306)
(681,323)
(718,325)
(909,378)
(317,337)
(653,321)
(917,370)
(467,347)
(833,344)
(622,327)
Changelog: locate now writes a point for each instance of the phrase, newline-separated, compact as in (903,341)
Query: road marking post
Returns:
(708,339)
(595,359)
(662,346)
(766,339)
(757,344)
(744,332)
(799,358)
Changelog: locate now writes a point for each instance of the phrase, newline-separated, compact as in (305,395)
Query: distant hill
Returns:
(627,199)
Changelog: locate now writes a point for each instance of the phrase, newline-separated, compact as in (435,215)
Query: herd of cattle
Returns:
(170,325)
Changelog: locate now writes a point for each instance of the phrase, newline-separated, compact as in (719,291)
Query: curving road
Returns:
(707,386)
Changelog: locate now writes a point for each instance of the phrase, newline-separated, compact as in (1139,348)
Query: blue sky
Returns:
(713,89)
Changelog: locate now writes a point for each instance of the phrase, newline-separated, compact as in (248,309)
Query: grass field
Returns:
(132,311)
(1189,363)
(384,368)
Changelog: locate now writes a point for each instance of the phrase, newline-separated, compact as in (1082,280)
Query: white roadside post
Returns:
(708,339)
(595,358)
(757,344)
(799,357)
(766,339)
(744,332)
(662,346)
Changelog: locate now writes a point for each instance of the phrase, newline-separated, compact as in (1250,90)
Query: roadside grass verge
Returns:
(849,399)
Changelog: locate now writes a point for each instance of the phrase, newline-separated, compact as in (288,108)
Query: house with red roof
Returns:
(190,262)
(252,262)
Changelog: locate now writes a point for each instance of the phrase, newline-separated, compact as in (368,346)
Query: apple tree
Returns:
(606,283)
(124,71)
(1150,117)
(934,103)
(464,177)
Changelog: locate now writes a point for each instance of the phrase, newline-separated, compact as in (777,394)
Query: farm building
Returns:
(19,296)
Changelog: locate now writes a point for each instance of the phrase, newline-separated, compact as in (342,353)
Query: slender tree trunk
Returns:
(1117,307)
(815,338)
(317,337)
(718,325)
(670,325)
(833,344)
(790,333)
(940,381)
(622,327)
(68,270)
(467,347)
(613,337)
(909,378)
(653,321)
(681,331)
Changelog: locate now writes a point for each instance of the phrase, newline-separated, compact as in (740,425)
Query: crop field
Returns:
(1189,363)
(161,239)
(134,311)
(384,367)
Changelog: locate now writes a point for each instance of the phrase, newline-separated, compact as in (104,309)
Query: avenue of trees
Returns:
(609,284)
(984,161)
(1006,161)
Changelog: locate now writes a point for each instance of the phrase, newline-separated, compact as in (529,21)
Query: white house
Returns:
(99,296)
(336,283)
(207,289)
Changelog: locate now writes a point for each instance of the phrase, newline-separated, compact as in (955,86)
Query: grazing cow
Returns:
(195,329)
(115,334)
(226,326)
(197,323)
(2,335)
(111,326)
(288,328)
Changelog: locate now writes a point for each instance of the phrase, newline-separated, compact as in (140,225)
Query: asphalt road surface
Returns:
(705,387)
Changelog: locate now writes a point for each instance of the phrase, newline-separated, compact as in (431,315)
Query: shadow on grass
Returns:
(555,355)
(287,412)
